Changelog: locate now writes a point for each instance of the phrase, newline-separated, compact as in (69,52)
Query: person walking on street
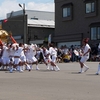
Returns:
(85,55)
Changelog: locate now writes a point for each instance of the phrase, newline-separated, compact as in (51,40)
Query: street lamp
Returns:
(24,23)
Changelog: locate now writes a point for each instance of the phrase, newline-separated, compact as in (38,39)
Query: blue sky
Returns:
(7,6)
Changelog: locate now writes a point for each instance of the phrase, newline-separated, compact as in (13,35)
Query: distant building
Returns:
(75,20)
(37,24)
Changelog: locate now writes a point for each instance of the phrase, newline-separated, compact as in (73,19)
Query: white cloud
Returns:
(11,5)
(40,6)
(8,6)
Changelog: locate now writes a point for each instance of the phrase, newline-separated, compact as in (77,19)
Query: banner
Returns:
(49,38)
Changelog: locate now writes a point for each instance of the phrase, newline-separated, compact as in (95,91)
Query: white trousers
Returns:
(5,60)
(84,59)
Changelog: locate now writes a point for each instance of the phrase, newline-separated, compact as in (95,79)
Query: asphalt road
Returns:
(66,84)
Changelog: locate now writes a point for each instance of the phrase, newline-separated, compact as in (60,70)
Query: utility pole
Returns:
(24,23)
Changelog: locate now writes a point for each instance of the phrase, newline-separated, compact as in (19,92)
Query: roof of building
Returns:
(41,15)
(41,23)
(37,18)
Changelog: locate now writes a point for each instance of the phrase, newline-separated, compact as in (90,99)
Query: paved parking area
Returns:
(65,84)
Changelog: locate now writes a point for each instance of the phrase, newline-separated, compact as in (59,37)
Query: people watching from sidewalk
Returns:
(67,57)
(59,55)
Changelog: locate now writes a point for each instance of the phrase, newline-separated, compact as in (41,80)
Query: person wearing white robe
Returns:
(46,57)
(30,57)
(5,56)
(85,55)
(17,60)
(53,54)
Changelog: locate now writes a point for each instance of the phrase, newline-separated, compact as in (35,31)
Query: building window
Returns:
(98,33)
(66,12)
(95,33)
(34,18)
(90,7)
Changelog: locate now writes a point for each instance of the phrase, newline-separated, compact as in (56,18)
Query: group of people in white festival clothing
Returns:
(20,56)
(17,56)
